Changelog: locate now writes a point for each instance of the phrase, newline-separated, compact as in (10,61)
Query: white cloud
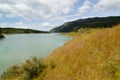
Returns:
(107,5)
(46,26)
(15,25)
(85,7)
(84,17)
(35,9)
(3,25)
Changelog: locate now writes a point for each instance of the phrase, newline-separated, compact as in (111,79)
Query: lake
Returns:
(15,49)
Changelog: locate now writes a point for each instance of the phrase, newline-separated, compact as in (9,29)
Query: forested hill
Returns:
(19,31)
(96,22)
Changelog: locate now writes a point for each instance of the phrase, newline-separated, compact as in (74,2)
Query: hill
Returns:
(19,31)
(97,22)
(93,54)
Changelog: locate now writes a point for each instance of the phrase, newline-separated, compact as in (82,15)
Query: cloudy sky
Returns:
(46,14)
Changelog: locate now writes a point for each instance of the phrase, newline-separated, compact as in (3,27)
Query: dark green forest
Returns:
(19,31)
(96,22)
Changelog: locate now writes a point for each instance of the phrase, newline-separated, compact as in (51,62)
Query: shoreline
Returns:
(2,36)
(64,34)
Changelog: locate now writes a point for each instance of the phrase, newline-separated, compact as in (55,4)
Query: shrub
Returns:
(26,71)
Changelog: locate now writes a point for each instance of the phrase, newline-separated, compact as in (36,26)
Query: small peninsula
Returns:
(1,36)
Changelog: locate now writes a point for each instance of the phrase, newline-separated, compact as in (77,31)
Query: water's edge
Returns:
(19,47)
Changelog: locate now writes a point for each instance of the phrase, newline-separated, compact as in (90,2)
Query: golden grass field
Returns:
(93,54)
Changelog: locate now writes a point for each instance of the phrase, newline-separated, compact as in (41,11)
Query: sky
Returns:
(47,14)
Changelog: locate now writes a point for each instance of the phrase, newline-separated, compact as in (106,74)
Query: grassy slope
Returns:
(93,55)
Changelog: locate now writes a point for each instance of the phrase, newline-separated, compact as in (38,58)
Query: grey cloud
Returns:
(35,9)
(107,5)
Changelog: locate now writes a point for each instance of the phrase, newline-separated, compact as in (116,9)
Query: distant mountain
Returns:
(96,22)
(19,31)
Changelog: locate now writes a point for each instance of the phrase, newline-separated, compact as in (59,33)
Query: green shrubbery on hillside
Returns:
(96,22)
(32,68)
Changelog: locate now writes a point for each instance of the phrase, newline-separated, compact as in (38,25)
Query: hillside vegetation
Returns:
(93,54)
(1,35)
(96,22)
(19,31)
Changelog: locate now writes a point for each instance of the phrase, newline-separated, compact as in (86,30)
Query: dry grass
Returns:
(92,55)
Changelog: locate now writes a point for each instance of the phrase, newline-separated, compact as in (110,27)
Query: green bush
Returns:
(26,71)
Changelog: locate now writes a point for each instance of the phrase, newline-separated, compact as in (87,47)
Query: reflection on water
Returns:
(18,47)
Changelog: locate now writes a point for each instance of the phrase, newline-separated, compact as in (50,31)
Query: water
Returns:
(15,49)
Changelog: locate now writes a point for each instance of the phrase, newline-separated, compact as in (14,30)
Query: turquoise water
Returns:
(15,49)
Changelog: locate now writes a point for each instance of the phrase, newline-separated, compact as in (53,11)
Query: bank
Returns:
(2,36)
